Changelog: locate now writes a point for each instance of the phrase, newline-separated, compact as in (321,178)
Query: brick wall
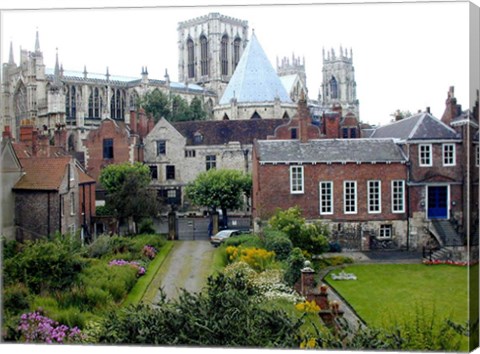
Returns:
(123,147)
(272,189)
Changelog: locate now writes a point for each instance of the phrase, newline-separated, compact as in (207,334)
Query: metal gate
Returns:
(349,237)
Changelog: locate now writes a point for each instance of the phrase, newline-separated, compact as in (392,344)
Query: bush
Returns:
(16,298)
(45,265)
(244,240)
(279,243)
(100,247)
(146,226)
(295,263)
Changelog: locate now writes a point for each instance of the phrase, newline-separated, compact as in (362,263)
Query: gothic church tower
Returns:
(209,49)
(339,86)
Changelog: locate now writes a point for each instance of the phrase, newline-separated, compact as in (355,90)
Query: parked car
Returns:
(221,236)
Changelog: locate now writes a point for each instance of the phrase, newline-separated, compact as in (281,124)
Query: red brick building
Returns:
(407,186)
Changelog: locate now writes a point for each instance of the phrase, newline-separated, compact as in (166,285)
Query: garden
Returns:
(58,290)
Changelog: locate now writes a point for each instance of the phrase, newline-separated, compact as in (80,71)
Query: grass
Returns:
(385,293)
(145,284)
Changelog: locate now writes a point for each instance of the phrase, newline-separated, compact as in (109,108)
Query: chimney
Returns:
(26,133)
(451,108)
(7,134)
(428,110)
(304,119)
(61,138)
(34,142)
(133,122)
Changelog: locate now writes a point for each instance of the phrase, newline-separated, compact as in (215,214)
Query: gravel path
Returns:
(186,267)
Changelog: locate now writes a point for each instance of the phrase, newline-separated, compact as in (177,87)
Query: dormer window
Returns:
(197,138)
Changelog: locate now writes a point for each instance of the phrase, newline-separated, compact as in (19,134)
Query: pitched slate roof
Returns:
(329,151)
(225,131)
(422,126)
(254,79)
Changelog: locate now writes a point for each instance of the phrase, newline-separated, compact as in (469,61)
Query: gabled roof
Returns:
(422,126)
(225,131)
(330,150)
(42,173)
(254,79)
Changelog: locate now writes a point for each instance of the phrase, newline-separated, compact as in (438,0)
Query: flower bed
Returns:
(120,262)
(449,262)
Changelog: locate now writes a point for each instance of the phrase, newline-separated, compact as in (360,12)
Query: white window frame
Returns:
(381,232)
(421,158)
(446,155)
(378,197)
(394,196)
(296,179)
(354,185)
(328,197)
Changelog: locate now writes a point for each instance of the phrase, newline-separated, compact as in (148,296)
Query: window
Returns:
(345,133)
(108,148)
(117,104)
(161,147)
(190,58)
(448,154)
(353,133)
(210,162)
(333,88)
(153,171)
(170,169)
(373,197)
(398,196)
(385,232)
(95,103)
(326,198)
(350,197)
(293,133)
(425,154)
(189,153)
(236,52)
(296,179)
(224,55)
(203,55)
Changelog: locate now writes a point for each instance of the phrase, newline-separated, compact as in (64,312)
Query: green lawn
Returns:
(386,293)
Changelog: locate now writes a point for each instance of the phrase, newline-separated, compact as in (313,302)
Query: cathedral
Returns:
(218,62)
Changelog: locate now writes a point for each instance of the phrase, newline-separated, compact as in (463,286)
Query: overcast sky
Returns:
(406,55)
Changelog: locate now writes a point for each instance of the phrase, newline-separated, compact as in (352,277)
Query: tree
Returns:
(223,189)
(197,112)
(157,104)
(128,191)
(180,110)
(224,315)
(309,237)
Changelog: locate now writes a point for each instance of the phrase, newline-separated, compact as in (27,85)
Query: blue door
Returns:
(437,202)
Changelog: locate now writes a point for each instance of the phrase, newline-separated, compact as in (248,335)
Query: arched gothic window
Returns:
(71,102)
(117,104)
(95,103)
(236,52)
(190,58)
(20,100)
(333,88)
(204,55)
(224,55)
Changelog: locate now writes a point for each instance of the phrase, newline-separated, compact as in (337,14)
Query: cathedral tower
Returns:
(209,49)
(339,86)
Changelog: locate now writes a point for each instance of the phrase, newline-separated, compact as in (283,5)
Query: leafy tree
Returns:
(180,110)
(220,189)
(197,112)
(225,314)
(157,104)
(309,237)
(128,191)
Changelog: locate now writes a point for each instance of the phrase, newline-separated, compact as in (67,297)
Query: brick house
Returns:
(408,185)
(356,186)
(53,195)
(177,152)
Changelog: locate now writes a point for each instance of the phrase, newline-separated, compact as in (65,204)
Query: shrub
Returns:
(257,258)
(100,247)
(295,263)
(308,306)
(279,243)
(16,298)
(45,265)
(146,226)
(244,240)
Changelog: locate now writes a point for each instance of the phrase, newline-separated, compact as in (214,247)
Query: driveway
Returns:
(187,267)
